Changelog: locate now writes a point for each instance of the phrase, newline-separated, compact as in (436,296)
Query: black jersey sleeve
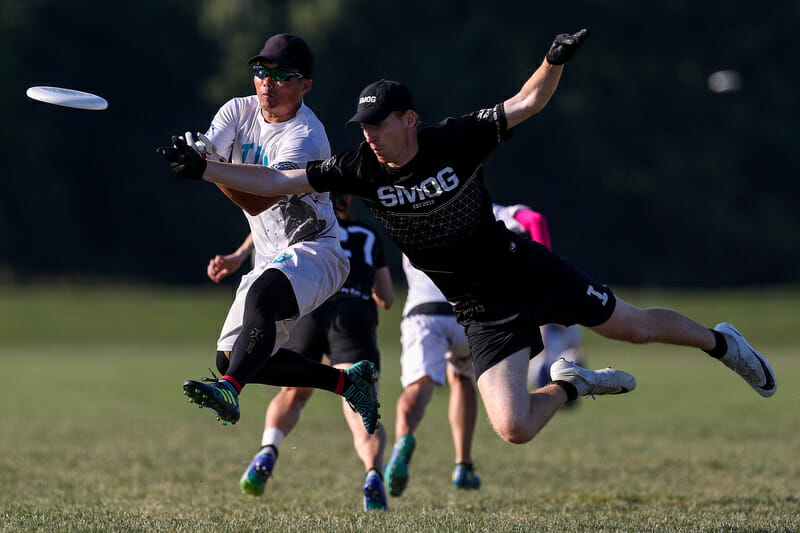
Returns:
(339,173)
(479,132)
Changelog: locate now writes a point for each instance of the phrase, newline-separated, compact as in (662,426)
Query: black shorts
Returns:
(537,288)
(343,328)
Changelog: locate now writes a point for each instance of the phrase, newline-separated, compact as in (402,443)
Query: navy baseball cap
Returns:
(288,51)
(380,98)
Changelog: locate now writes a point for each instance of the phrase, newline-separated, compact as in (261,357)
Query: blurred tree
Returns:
(646,176)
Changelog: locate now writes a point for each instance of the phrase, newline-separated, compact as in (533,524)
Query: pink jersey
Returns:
(522,219)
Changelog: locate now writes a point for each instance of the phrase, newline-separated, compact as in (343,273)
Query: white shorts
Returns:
(429,343)
(316,270)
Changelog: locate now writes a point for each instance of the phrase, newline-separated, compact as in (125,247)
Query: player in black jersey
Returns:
(343,329)
(426,188)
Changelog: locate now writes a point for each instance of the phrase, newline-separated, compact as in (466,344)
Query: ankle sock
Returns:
(721,346)
(569,388)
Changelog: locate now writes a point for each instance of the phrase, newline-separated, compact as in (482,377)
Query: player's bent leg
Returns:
(515,414)
(284,410)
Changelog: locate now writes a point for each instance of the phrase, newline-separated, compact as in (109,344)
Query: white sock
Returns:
(272,437)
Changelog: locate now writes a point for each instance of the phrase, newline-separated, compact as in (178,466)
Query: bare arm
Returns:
(534,95)
(382,290)
(252,203)
(222,266)
(537,91)
(258,180)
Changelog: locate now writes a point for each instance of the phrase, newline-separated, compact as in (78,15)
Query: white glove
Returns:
(203,146)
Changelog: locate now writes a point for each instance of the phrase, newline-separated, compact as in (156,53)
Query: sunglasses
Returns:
(276,74)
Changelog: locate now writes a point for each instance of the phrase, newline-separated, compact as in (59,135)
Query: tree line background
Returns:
(646,176)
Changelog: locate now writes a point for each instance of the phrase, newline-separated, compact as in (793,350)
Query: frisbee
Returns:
(67,98)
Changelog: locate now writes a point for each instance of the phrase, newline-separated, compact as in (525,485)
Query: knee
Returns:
(513,434)
(514,431)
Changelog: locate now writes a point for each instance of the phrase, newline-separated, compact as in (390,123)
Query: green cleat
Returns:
(397,467)
(215,394)
(361,394)
(255,477)
(464,477)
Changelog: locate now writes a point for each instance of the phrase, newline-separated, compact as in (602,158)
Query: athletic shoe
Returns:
(361,394)
(397,467)
(745,361)
(592,382)
(216,394)
(374,494)
(464,477)
(260,470)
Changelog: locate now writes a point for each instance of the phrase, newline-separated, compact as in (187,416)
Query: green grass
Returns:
(96,435)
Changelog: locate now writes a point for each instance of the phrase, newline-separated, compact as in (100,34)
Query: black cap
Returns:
(380,98)
(288,51)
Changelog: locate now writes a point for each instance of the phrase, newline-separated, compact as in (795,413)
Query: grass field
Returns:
(96,435)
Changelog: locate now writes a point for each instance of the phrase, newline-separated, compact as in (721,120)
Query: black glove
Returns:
(186,163)
(565,45)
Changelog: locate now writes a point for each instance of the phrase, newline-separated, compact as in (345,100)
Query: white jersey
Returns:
(421,289)
(298,235)
(242,135)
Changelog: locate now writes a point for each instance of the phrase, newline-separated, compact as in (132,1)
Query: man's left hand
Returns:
(565,45)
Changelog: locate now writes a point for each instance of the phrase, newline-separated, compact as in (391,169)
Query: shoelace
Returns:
(214,379)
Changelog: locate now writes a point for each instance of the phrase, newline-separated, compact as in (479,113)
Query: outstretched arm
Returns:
(537,91)
(256,179)
(187,163)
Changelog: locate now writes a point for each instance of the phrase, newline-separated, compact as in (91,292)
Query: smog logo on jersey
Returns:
(283,257)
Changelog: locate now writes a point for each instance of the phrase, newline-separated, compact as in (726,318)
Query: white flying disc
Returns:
(725,81)
(67,98)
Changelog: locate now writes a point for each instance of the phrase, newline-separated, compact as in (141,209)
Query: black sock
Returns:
(721,346)
(269,448)
(569,388)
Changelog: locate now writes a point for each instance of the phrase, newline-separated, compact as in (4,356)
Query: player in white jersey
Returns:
(434,349)
(298,260)
(426,188)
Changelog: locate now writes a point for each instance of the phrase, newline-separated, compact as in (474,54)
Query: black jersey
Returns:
(363,249)
(436,208)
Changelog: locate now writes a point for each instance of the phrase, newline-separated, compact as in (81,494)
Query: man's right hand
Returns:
(222,266)
(186,163)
